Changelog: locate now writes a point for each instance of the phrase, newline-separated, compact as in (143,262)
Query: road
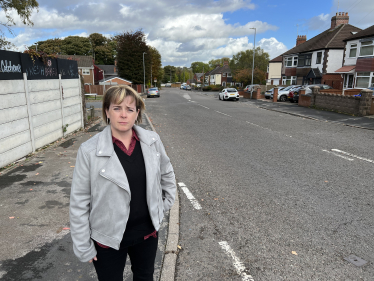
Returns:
(266,195)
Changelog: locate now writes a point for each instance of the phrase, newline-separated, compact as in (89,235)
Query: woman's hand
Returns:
(95,258)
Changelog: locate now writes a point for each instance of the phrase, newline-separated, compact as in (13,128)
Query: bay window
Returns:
(364,80)
(367,48)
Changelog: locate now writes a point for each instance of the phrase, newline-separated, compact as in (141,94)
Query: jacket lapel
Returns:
(112,170)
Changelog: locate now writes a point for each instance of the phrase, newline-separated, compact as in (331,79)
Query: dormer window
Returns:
(367,48)
(353,51)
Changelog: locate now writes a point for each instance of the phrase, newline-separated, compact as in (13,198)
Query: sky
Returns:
(186,31)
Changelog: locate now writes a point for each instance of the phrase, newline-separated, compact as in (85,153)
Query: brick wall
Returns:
(333,80)
(346,104)
(290,71)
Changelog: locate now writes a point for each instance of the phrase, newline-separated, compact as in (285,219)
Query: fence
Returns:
(39,103)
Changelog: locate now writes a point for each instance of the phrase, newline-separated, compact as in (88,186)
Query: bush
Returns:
(207,88)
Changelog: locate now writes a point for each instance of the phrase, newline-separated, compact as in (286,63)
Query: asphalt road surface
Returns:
(266,195)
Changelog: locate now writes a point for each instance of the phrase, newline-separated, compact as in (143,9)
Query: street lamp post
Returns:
(254,50)
(144,70)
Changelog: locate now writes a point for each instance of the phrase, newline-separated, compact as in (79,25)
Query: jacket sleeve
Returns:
(80,200)
(168,183)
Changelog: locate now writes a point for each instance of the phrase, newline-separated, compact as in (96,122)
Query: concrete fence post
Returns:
(275,94)
(315,91)
(62,104)
(29,113)
(365,102)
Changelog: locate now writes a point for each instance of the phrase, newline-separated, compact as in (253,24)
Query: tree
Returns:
(198,67)
(169,72)
(130,49)
(103,48)
(213,63)
(156,66)
(49,46)
(24,8)
(244,59)
(245,76)
(76,45)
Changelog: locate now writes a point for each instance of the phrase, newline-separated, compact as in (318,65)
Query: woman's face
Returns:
(122,116)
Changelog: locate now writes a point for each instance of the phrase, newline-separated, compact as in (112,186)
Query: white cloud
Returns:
(320,22)
(272,46)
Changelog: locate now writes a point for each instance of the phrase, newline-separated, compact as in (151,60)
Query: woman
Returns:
(123,183)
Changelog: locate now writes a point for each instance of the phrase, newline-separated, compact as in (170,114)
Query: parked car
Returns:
(183,87)
(228,94)
(153,92)
(168,85)
(269,93)
(371,88)
(188,88)
(282,95)
(308,89)
(291,94)
(249,88)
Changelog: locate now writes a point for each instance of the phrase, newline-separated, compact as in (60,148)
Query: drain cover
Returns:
(355,260)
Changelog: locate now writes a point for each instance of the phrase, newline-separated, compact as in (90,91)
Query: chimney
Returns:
(300,39)
(338,19)
(225,62)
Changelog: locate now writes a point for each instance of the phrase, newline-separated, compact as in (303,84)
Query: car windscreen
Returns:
(288,88)
(153,89)
(231,90)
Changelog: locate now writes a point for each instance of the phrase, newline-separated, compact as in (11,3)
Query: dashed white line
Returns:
(336,154)
(352,155)
(240,268)
(189,195)
(202,106)
(223,113)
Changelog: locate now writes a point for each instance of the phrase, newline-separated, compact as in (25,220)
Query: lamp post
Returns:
(144,70)
(254,50)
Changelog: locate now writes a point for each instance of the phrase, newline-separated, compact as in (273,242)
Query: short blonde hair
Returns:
(116,95)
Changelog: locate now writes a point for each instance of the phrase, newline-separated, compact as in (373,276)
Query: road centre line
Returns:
(240,268)
(189,195)
(336,154)
(352,155)
(202,105)
(223,113)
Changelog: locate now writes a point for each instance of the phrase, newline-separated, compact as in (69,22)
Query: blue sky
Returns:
(192,30)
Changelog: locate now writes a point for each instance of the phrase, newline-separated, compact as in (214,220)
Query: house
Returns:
(108,70)
(358,60)
(114,80)
(85,67)
(274,73)
(315,61)
(198,77)
(220,75)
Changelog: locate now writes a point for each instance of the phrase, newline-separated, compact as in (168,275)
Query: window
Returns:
(224,74)
(366,48)
(353,51)
(85,71)
(294,61)
(289,80)
(363,79)
(228,74)
(305,60)
(289,61)
(319,58)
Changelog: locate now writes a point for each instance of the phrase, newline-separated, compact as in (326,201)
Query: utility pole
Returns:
(203,82)
(144,70)
(151,76)
(254,50)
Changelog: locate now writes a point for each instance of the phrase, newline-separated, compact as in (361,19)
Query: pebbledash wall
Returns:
(37,100)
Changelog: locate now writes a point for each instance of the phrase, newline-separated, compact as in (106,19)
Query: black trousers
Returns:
(111,263)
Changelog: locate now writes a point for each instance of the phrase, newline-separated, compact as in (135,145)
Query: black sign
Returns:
(68,69)
(10,65)
(36,69)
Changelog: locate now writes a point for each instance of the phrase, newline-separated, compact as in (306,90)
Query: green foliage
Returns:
(103,48)
(130,49)
(49,46)
(64,128)
(156,65)
(23,8)
(213,63)
(198,67)
(76,45)
(169,72)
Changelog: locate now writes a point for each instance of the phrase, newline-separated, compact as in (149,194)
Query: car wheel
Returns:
(219,97)
(283,98)
(237,99)
(292,101)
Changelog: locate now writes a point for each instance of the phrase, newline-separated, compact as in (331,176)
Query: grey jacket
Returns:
(100,194)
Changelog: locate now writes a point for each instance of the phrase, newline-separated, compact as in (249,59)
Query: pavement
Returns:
(34,225)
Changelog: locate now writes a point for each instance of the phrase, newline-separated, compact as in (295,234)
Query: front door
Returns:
(349,81)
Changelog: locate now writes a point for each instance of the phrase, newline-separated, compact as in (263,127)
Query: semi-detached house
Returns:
(315,61)
(358,64)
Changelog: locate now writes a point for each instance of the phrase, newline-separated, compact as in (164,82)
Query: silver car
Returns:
(153,92)
(269,93)
(308,90)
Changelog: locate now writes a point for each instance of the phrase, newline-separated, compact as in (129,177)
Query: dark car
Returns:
(291,94)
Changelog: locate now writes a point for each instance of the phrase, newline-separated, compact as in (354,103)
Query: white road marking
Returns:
(346,158)
(203,106)
(352,155)
(223,113)
(189,195)
(240,268)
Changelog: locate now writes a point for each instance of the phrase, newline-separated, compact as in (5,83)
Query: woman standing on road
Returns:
(123,183)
